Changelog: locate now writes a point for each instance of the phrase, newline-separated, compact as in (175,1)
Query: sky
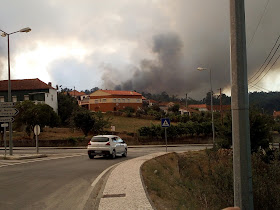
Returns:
(143,45)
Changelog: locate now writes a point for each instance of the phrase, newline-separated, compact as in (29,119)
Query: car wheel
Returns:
(113,155)
(125,153)
(90,156)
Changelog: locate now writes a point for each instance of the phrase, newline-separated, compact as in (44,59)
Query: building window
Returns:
(26,97)
(104,100)
(115,100)
(128,100)
(2,99)
(138,101)
(52,97)
(96,101)
(119,100)
(123,100)
(14,98)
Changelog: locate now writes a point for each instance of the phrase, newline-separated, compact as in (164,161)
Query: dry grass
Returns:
(186,181)
(129,124)
(51,134)
(204,180)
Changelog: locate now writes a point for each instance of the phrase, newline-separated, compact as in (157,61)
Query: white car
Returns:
(106,145)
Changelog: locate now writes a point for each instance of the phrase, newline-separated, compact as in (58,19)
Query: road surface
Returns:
(59,181)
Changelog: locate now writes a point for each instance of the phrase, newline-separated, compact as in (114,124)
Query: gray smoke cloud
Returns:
(163,73)
(200,38)
(151,46)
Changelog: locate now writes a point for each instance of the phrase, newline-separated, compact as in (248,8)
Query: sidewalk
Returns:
(124,188)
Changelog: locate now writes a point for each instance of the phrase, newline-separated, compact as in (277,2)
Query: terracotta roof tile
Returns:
(122,92)
(75,93)
(197,106)
(24,84)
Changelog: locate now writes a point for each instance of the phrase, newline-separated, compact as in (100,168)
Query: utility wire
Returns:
(265,59)
(259,88)
(266,66)
(259,23)
(268,70)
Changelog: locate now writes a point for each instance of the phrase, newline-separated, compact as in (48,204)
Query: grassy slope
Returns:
(129,124)
(122,124)
(204,180)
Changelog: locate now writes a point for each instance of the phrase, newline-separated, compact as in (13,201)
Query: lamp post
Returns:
(213,127)
(4,34)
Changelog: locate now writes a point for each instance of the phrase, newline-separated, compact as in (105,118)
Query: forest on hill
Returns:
(267,102)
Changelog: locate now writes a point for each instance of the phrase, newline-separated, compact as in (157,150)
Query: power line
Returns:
(259,88)
(259,23)
(266,66)
(266,58)
(268,69)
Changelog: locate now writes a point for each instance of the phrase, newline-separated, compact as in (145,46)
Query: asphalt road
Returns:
(59,181)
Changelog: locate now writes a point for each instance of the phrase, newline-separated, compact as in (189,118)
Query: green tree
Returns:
(260,130)
(66,106)
(100,123)
(31,115)
(260,127)
(175,108)
(84,120)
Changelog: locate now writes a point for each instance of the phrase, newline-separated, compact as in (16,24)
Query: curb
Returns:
(124,188)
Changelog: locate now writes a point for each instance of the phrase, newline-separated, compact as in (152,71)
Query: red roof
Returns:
(197,106)
(75,93)
(24,84)
(122,92)
(218,107)
(276,114)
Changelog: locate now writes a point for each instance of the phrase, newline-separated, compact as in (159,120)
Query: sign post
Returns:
(165,123)
(37,132)
(5,125)
(6,116)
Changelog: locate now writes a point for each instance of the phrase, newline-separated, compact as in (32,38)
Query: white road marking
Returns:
(37,160)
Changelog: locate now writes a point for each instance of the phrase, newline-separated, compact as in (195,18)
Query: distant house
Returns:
(30,89)
(149,102)
(114,100)
(76,94)
(276,114)
(81,97)
(165,106)
(199,107)
(218,108)
(206,108)
(188,111)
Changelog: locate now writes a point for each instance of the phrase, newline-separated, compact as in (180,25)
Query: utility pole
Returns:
(242,171)
(221,107)
(187,100)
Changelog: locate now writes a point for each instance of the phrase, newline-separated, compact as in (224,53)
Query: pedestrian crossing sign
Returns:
(165,122)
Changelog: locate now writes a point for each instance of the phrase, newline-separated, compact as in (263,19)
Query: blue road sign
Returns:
(165,122)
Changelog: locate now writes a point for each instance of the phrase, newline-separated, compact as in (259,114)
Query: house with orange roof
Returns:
(206,108)
(75,94)
(114,100)
(276,114)
(30,89)
(81,97)
(199,107)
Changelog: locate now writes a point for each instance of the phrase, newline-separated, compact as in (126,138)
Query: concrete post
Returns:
(243,195)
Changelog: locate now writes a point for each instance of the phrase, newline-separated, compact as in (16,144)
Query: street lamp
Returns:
(213,128)
(4,34)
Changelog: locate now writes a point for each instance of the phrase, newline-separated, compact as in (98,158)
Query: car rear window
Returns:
(100,139)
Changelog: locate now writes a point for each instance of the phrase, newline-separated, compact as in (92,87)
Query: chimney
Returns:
(50,84)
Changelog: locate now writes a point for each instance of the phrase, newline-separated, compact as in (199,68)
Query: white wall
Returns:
(51,99)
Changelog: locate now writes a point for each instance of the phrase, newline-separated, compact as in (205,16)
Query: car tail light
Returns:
(108,143)
(89,143)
